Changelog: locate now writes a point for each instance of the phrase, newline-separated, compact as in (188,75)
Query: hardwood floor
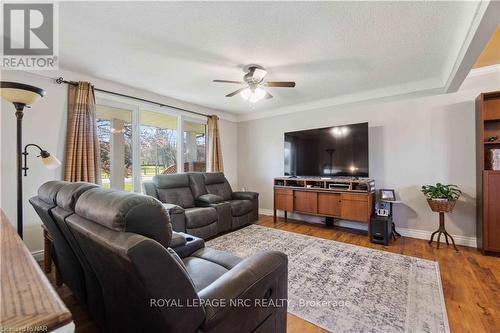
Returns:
(471,281)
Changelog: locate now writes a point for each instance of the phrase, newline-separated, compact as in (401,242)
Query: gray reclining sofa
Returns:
(203,204)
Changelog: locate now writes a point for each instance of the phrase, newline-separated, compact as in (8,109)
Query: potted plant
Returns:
(440,197)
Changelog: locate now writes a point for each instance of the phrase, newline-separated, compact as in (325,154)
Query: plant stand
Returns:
(441,207)
(442,230)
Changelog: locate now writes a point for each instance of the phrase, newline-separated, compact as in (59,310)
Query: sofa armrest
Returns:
(177,217)
(150,189)
(173,209)
(185,245)
(245,195)
(257,282)
(208,199)
(178,239)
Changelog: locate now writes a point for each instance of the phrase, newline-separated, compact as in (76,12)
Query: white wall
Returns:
(412,142)
(45,124)
(229,141)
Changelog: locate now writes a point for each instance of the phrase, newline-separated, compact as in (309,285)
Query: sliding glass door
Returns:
(158,139)
(194,145)
(114,130)
(138,141)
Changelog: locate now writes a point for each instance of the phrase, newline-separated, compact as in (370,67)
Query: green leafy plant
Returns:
(440,191)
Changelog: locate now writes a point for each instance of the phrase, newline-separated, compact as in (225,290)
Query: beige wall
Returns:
(45,124)
(412,142)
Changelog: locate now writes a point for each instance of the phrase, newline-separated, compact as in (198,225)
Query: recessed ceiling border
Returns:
(482,28)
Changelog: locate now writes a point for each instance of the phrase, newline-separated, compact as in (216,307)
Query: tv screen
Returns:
(328,152)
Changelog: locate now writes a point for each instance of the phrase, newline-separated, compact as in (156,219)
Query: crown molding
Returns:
(484,70)
(130,90)
(407,90)
(416,89)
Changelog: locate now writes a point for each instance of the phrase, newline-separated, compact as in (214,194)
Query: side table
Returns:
(47,255)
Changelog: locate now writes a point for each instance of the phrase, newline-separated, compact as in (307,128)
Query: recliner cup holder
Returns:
(189,239)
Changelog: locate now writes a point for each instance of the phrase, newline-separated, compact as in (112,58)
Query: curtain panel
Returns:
(82,145)
(215,163)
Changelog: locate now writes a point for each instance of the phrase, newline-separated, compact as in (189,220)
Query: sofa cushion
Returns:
(204,232)
(174,189)
(216,183)
(207,265)
(48,191)
(129,212)
(180,196)
(202,272)
(171,181)
(200,217)
(69,193)
(197,183)
(240,207)
(222,258)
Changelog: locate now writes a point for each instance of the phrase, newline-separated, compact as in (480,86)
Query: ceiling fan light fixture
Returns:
(259,74)
(253,96)
(245,94)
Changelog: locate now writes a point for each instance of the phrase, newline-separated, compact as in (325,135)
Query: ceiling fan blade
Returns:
(268,95)
(259,74)
(236,92)
(228,81)
(280,84)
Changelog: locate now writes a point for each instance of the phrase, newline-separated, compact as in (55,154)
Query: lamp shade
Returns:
(253,95)
(50,162)
(20,93)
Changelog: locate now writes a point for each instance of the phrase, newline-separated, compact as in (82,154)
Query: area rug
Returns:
(347,288)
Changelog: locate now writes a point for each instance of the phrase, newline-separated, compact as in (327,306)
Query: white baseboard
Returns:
(412,233)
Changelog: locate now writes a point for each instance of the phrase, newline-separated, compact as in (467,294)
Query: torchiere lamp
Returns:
(23,96)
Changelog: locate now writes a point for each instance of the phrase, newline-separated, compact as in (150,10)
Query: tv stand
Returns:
(347,198)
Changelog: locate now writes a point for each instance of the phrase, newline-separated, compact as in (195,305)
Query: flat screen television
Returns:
(328,152)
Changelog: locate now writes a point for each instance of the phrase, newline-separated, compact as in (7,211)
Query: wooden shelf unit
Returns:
(487,181)
(339,197)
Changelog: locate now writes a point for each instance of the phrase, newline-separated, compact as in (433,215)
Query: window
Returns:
(114,130)
(138,141)
(158,133)
(194,146)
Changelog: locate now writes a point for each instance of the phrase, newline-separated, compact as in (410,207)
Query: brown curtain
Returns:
(215,163)
(82,145)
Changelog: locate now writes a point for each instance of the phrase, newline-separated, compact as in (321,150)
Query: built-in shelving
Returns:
(488,180)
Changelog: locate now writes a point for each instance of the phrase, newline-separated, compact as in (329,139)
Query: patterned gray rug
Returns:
(347,288)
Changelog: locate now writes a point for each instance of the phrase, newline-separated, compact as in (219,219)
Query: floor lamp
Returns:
(23,96)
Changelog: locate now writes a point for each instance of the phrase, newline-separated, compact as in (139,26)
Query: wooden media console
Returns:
(345,198)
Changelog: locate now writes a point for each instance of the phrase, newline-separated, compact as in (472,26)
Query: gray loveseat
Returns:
(203,204)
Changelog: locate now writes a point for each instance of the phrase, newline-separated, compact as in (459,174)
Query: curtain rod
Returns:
(61,80)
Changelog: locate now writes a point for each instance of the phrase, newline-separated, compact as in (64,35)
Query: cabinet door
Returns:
(355,207)
(306,202)
(491,209)
(329,204)
(283,199)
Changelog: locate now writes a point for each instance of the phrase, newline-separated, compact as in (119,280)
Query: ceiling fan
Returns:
(254,82)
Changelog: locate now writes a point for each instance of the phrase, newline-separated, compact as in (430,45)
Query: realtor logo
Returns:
(29,36)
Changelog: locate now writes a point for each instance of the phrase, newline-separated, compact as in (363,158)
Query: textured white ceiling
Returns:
(331,49)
